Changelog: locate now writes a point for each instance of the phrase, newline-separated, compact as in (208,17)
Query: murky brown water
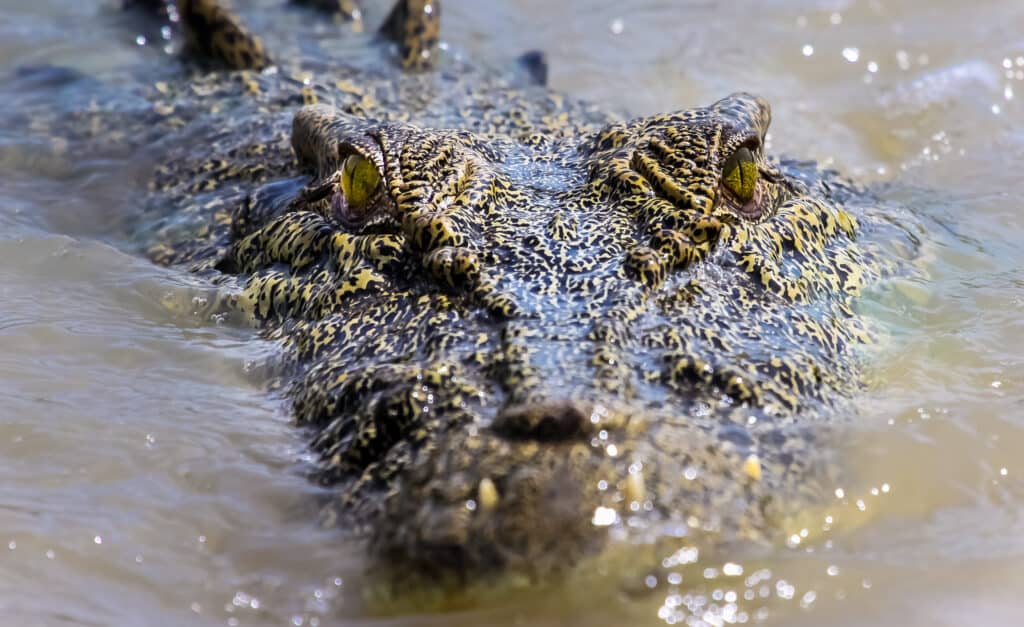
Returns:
(145,479)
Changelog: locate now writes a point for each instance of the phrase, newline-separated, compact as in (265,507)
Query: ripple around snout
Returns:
(148,478)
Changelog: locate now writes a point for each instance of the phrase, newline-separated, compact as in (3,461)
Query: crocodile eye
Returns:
(739,175)
(359,182)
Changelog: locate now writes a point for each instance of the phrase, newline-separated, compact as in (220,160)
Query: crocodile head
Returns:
(509,346)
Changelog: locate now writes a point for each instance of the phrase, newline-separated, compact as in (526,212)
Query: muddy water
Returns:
(145,479)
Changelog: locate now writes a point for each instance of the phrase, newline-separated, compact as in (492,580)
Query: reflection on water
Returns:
(149,480)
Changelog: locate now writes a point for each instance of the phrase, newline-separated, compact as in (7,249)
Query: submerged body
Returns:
(514,325)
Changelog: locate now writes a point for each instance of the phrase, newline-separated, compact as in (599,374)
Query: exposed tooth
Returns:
(752,467)
(487,494)
(636,490)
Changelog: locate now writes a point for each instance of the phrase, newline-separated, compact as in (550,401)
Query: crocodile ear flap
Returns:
(415,25)
(215,36)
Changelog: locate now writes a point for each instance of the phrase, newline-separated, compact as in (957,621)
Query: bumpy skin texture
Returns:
(216,35)
(552,324)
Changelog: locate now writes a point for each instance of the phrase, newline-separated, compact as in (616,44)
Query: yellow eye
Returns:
(739,175)
(359,181)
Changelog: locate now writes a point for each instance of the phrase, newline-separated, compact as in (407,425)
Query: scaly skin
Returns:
(551,325)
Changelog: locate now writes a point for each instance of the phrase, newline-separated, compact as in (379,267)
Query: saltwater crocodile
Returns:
(514,325)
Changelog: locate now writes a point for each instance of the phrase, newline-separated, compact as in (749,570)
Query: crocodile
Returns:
(517,328)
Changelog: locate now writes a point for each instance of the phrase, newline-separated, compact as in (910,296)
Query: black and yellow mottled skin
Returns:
(551,324)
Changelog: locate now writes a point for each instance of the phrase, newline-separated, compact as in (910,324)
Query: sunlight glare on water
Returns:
(148,479)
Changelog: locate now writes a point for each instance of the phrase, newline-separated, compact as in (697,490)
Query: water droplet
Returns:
(808,50)
(603,517)
(903,60)
(851,54)
(808,599)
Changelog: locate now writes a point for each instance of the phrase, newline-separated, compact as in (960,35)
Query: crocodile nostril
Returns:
(544,421)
